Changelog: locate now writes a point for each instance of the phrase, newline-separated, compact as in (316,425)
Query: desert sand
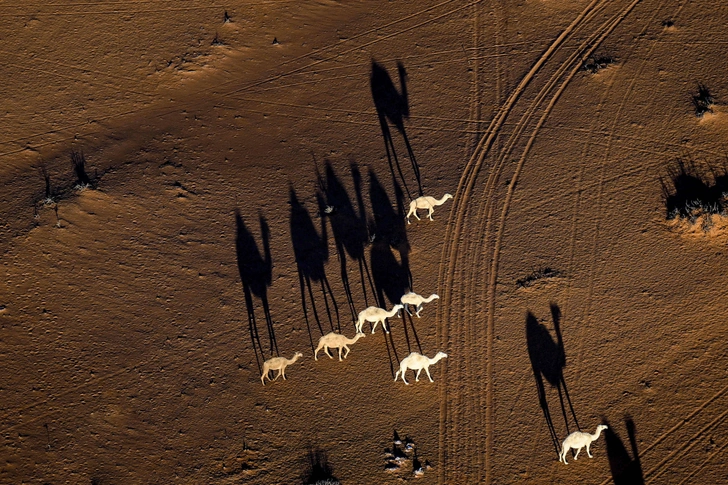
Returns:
(190,188)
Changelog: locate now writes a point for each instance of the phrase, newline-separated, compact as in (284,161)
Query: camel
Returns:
(376,315)
(417,300)
(417,361)
(578,440)
(336,340)
(425,202)
(279,364)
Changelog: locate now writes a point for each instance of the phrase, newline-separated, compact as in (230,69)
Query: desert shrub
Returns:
(690,193)
(595,64)
(78,161)
(537,275)
(703,101)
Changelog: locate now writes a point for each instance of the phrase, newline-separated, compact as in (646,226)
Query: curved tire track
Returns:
(455,243)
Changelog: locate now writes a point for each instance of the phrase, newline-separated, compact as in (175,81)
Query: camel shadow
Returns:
(311,252)
(318,470)
(393,107)
(626,469)
(548,360)
(349,228)
(256,276)
(389,251)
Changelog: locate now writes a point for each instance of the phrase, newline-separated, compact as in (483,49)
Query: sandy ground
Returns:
(248,169)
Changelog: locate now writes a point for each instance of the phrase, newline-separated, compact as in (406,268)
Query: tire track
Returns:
(485,216)
(456,227)
(596,230)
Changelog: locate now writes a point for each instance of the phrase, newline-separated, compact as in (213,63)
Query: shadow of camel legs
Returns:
(626,469)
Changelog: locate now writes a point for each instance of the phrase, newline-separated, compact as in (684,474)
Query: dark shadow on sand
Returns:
(393,107)
(626,468)
(349,229)
(548,360)
(256,276)
(311,251)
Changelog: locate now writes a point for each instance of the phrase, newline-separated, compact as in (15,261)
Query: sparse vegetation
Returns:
(48,199)
(703,101)
(595,64)
(537,275)
(83,181)
(217,40)
(690,194)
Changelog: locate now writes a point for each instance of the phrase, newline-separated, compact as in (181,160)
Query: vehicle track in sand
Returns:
(454,465)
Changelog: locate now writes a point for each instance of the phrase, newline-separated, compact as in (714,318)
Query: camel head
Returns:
(601,428)
(297,355)
(397,307)
(447,196)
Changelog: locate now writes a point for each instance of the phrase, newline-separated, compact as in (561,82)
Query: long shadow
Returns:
(256,272)
(389,252)
(349,228)
(548,360)
(626,469)
(391,272)
(393,107)
(311,252)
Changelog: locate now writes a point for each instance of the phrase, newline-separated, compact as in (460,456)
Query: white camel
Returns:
(336,340)
(416,300)
(425,202)
(279,364)
(375,315)
(578,440)
(417,361)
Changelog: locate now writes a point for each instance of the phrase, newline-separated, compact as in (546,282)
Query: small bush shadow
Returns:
(688,192)
(703,101)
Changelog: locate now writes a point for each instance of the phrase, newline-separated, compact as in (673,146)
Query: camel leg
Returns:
(262,377)
(384,326)
(283,373)
(427,370)
(326,349)
(375,326)
(431,210)
(587,451)
(277,375)
(405,380)
(419,309)
(417,377)
(577,453)
(347,351)
(406,307)
(562,456)
(339,354)
(315,354)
